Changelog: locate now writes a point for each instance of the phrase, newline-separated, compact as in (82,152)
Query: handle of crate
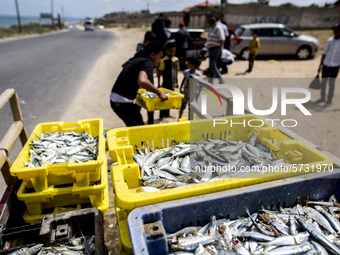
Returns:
(273,138)
(154,232)
(70,125)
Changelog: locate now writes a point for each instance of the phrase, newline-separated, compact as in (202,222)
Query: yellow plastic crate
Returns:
(59,209)
(58,199)
(125,245)
(121,141)
(151,104)
(126,173)
(40,178)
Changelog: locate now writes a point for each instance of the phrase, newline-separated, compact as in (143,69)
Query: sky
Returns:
(98,8)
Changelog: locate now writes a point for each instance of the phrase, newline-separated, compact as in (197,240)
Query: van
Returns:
(89,25)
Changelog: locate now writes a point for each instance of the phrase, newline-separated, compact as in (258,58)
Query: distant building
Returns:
(146,12)
(264,2)
(201,6)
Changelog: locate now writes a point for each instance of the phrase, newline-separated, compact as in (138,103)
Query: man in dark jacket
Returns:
(182,44)
(158,28)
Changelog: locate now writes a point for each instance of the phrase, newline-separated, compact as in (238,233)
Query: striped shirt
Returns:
(216,36)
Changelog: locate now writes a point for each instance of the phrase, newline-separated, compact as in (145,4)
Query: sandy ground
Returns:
(320,128)
(93,100)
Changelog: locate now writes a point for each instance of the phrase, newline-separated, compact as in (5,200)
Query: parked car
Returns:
(100,26)
(275,39)
(196,43)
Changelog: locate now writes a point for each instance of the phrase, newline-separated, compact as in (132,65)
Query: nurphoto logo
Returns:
(239,103)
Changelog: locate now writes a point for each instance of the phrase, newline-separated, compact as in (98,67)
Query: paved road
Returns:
(47,71)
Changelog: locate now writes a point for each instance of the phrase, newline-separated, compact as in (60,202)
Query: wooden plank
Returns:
(11,136)
(3,157)
(5,204)
(23,136)
(9,179)
(15,107)
(5,96)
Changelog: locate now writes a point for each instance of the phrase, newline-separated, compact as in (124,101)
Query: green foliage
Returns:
(31,28)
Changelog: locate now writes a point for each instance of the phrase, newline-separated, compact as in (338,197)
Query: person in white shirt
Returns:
(215,43)
(329,64)
(166,28)
(224,27)
(226,59)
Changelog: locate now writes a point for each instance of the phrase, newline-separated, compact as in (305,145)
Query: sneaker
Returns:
(248,71)
(328,104)
(321,100)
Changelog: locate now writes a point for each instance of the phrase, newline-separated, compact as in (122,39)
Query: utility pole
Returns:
(62,14)
(206,14)
(18,16)
(52,13)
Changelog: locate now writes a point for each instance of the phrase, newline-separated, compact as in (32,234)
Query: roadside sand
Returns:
(92,101)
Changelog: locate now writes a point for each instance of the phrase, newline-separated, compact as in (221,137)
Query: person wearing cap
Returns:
(329,64)
(182,38)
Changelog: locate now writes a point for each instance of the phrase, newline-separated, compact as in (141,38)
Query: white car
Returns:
(99,27)
(275,39)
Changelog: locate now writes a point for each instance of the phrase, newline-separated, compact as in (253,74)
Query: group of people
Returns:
(158,52)
(160,28)
(218,44)
(165,55)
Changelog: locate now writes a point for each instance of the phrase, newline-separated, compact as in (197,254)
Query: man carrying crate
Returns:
(137,73)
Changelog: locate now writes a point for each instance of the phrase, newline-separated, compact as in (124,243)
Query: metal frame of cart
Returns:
(195,110)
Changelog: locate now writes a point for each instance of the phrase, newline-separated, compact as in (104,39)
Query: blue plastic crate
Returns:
(148,225)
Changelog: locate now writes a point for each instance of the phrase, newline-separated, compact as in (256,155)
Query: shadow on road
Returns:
(318,107)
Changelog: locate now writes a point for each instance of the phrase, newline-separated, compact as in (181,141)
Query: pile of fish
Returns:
(149,94)
(199,162)
(76,246)
(312,229)
(61,147)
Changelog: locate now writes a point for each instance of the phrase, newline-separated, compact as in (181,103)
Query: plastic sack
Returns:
(316,83)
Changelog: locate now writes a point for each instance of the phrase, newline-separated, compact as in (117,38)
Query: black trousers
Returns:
(181,54)
(150,118)
(129,113)
(331,73)
(251,60)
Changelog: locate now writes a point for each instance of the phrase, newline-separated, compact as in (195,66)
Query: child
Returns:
(254,45)
(168,69)
(192,65)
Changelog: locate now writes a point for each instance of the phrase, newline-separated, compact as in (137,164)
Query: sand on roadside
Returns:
(92,101)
